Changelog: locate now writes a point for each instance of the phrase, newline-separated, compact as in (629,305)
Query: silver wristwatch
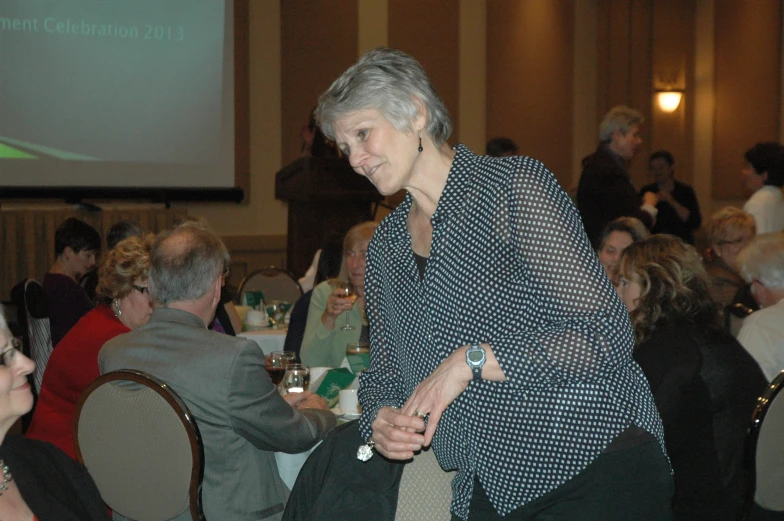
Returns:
(476,358)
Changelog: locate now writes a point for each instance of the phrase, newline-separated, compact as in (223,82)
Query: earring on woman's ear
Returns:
(420,141)
(117,310)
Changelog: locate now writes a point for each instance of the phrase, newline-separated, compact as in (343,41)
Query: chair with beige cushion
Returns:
(38,329)
(141,445)
(425,492)
(765,444)
(276,283)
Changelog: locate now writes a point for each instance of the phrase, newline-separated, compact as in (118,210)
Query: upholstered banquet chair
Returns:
(765,444)
(141,445)
(38,330)
(276,283)
(425,492)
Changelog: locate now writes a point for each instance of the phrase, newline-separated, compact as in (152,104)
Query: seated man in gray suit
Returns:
(240,414)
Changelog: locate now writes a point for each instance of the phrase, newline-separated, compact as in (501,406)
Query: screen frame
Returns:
(166,195)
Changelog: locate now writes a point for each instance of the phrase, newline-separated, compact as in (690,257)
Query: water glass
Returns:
(297,378)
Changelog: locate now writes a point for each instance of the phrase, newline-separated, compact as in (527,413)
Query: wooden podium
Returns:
(325,196)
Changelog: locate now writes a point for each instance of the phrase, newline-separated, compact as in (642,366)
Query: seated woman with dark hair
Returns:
(38,481)
(704,383)
(616,236)
(123,305)
(76,246)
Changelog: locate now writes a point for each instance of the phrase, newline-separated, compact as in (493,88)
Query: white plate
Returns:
(345,415)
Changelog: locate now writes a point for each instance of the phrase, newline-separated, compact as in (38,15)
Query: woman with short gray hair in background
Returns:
(494,333)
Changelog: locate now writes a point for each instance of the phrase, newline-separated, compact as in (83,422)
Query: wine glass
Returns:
(278,362)
(297,378)
(347,292)
(273,311)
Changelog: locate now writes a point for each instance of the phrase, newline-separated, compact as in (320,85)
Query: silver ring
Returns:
(419,415)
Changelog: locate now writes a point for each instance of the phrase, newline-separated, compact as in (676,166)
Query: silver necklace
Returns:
(7,477)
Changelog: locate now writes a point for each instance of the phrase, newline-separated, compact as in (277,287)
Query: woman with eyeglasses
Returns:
(729,230)
(326,335)
(37,481)
(123,305)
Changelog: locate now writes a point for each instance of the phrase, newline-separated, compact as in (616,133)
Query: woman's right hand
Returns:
(396,435)
(336,304)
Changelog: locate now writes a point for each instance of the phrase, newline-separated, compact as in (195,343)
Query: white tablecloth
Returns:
(269,340)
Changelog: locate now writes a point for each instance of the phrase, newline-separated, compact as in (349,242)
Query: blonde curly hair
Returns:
(673,285)
(122,266)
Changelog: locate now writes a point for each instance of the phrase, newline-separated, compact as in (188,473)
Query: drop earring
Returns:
(117,310)
(420,141)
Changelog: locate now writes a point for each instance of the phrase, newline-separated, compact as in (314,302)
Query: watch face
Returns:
(476,356)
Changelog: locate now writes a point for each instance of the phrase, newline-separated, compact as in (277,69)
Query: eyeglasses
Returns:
(361,254)
(142,289)
(735,243)
(7,356)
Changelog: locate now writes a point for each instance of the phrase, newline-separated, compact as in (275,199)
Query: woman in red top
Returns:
(123,305)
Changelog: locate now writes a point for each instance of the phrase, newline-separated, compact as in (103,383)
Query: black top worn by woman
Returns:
(705,386)
(55,487)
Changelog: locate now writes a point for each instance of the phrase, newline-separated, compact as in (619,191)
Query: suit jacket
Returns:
(241,417)
(605,193)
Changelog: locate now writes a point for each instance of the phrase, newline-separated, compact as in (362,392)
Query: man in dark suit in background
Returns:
(679,211)
(240,414)
(605,191)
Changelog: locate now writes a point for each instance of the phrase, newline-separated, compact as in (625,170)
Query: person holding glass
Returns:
(330,311)
(123,304)
(495,334)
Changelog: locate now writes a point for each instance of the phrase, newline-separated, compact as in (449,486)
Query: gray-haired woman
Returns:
(494,333)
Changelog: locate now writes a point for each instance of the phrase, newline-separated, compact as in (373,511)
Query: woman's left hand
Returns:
(436,392)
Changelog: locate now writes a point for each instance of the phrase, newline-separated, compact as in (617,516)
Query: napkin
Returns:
(254,299)
(334,381)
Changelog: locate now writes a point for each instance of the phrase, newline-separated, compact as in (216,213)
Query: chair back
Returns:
(766,449)
(38,329)
(141,445)
(425,492)
(276,283)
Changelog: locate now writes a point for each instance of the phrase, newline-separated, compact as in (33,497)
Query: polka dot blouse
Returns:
(509,265)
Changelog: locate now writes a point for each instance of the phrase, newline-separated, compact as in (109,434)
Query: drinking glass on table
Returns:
(347,292)
(274,312)
(277,363)
(297,378)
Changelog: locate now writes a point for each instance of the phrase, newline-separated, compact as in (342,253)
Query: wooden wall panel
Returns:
(27,236)
(530,79)
(624,38)
(747,86)
(251,252)
(673,64)
(428,30)
(318,42)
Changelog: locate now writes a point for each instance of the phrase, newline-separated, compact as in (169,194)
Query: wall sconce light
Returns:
(669,99)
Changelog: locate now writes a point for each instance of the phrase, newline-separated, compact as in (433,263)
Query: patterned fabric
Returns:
(509,265)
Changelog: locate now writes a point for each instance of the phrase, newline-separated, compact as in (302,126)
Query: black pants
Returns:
(624,485)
